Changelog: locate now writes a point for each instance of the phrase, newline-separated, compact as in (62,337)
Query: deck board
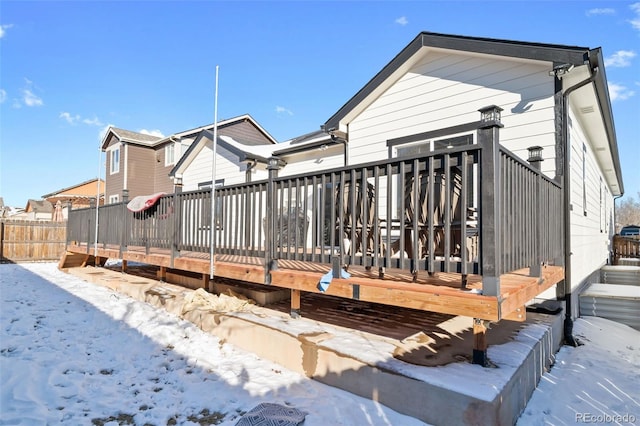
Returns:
(441,292)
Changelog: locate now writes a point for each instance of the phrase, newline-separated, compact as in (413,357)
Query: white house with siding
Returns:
(552,96)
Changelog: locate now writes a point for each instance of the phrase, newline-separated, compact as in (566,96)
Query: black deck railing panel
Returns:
(420,213)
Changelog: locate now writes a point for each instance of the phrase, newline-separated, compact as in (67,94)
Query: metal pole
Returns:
(95,245)
(213,180)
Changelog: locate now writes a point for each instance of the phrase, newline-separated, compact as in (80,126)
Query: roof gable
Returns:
(128,136)
(426,42)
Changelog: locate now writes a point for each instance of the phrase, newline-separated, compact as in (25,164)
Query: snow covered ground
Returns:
(76,353)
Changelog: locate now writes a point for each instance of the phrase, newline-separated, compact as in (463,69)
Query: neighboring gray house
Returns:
(141,164)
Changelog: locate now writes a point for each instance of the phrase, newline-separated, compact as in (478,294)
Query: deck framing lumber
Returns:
(437,293)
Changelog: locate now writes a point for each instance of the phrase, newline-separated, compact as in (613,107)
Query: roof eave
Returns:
(602,94)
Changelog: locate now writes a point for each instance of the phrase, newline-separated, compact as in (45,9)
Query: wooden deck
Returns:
(442,292)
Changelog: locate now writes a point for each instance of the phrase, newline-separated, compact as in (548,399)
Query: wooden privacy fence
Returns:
(22,241)
(625,247)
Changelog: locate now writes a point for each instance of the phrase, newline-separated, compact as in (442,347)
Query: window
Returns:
(114,199)
(115,161)
(169,154)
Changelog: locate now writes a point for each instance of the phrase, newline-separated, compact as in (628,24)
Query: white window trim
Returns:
(170,148)
(114,198)
(112,169)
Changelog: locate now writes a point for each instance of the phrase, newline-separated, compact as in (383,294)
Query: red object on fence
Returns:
(143,202)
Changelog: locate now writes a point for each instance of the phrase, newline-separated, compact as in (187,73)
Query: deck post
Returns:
(125,222)
(535,158)
(490,194)
(270,262)
(175,223)
(295,303)
(480,342)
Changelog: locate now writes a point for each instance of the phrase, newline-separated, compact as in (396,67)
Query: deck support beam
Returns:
(295,303)
(123,266)
(162,273)
(480,342)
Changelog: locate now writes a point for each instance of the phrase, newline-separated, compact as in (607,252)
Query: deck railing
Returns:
(469,209)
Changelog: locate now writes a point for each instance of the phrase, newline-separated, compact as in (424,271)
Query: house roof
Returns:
(39,206)
(153,141)
(259,153)
(244,152)
(134,137)
(426,41)
(304,142)
(590,60)
(229,122)
(67,191)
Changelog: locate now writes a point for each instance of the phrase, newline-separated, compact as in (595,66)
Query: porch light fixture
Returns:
(274,163)
(490,114)
(561,69)
(535,154)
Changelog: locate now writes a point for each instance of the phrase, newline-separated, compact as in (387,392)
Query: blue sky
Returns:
(70,69)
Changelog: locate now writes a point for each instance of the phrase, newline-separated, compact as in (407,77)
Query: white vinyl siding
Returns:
(445,90)
(227,168)
(591,209)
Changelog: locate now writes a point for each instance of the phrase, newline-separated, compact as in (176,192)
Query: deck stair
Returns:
(616,297)
(74,260)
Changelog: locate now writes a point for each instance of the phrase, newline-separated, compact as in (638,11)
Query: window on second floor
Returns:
(115,161)
(170,154)
(114,199)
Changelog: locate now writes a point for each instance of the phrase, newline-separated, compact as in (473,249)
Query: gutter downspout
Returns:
(568,321)
(343,141)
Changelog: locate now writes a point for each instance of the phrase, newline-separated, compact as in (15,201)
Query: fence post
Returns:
(68,223)
(91,224)
(535,159)
(2,240)
(490,193)
(270,262)
(125,222)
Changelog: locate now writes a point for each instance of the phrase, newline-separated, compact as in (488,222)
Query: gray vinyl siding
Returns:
(162,182)
(446,89)
(246,133)
(140,170)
